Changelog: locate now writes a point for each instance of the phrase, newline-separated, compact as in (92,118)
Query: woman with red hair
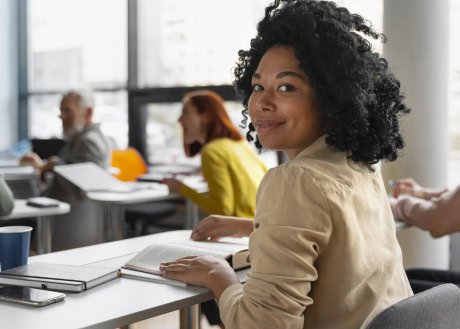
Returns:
(232,170)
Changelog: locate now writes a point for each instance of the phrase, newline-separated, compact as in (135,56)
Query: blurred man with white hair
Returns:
(86,143)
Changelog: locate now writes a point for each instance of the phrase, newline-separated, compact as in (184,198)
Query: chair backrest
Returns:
(438,307)
(130,163)
(46,148)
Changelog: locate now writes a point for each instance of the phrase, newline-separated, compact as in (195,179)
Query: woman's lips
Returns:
(266,127)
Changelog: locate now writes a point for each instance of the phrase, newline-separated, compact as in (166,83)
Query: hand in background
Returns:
(205,271)
(173,184)
(32,159)
(409,186)
(48,167)
(215,227)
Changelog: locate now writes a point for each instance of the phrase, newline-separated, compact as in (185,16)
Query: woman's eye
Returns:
(257,88)
(286,88)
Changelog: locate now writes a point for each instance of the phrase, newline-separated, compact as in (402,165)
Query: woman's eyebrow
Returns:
(282,75)
(287,73)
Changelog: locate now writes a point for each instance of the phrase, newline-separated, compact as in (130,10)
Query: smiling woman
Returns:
(323,248)
(283,106)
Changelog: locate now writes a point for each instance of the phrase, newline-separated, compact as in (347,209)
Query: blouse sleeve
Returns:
(439,215)
(292,227)
(220,199)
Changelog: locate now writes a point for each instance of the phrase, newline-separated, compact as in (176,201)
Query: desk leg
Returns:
(118,222)
(44,234)
(192,214)
(113,223)
(101,223)
(190,317)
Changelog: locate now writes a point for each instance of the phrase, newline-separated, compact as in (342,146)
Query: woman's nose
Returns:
(265,102)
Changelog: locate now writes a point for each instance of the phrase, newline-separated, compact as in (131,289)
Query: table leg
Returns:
(101,224)
(118,222)
(44,234)
(113,222)
(190,317)
(192,214)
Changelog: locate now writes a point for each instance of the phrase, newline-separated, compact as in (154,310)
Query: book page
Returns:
(228,245)
(149,259)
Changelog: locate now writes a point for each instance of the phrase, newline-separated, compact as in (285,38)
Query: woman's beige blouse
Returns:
(324,252)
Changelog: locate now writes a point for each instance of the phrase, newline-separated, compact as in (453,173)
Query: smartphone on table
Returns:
(29,296)
(42,202)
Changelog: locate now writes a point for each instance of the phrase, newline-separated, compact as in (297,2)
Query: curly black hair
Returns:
(356,91)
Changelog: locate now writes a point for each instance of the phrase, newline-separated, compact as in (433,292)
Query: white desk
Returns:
(44,218)
(112,205)
(19,172)
(9,162)
(114,304)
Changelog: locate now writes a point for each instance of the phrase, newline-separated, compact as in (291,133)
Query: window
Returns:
(110,110)
(164,134)
(194,43)
(369,10)
(78,44)
(188,44)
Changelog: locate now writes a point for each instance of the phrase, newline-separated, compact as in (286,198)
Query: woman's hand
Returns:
(204,271)
(173,184)
(408,186)
(215,227)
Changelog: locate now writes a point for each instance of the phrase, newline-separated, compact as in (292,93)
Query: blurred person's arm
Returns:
(220,199)
(6,198)
(215,227)
(411,187)
(438,214)
(32,159)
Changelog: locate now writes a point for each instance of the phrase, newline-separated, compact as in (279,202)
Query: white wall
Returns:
(417,50)
(8,72)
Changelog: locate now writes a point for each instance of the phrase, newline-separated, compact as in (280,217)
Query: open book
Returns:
(235,251)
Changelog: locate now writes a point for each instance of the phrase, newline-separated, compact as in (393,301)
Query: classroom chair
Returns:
(438,307)
(141,215)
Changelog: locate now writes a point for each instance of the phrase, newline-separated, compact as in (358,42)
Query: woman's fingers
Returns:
(177,267)
(204,229)
(183,260)
(403,186)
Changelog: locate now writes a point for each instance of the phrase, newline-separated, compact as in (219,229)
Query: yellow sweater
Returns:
(233,172)
(324,253)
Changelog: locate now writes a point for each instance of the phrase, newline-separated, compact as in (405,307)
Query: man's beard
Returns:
(73,131)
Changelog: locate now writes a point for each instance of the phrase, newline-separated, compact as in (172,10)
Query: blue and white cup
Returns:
(14,246)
